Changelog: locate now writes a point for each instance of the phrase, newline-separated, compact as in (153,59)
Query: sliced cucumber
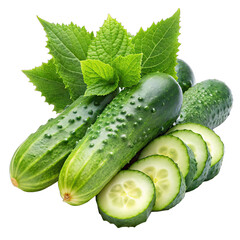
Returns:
(214,143)
(168,180)
(128,199)
(199,147)
(177,150)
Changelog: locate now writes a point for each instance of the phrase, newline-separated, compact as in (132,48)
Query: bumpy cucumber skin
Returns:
(208,103)
(193,167)
(214,170)
(185,75)
(197,182)
(129,122)
(37,162)
(135,220)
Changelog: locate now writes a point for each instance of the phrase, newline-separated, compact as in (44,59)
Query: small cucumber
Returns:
(207,103)
(168,180)
(185,75)
(199,147)
(129,122)
(175,149)
(127,200)
(213,141)
(37,162)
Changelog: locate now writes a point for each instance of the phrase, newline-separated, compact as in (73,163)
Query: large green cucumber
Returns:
(37,162)
(128,123)
(207,103)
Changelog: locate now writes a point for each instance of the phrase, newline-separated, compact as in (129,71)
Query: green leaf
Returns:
(128,69)
(49,83)
(159,45)
(99,77)
(101,88)
(95,70)
(111,41)
(68,44)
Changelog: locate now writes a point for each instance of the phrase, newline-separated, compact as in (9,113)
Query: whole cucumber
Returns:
(37,162)
(185,75)
(208,103)
(128,123)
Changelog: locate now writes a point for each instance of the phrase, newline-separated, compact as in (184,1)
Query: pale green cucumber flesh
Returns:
(168,180)
(37,162)
(127,200)
(175,149)
(129,122)
(213,141)
(199,147)
(208,103)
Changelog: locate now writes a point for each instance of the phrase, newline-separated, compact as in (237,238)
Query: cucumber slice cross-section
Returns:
(127,200)
(168,180)
(213,141)
(199,147)
(176,149)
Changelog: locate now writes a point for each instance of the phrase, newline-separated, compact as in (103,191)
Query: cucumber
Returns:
(168,180)
(127,200)
(128,123)
(199,147)
(207,103)
(175,149)
(37,162)
(213,141)
(185,75)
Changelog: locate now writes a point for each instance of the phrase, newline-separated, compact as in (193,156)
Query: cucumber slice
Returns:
(177,150)
(199,147)
(214,143)
(168,180)
(128,199)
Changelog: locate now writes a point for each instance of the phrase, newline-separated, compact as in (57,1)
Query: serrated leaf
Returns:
(111,41)
(95,70)
(128,69)
(159,45)
(49,83)
(68,44)
(99,77)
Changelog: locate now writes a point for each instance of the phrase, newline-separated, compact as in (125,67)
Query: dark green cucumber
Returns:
(207,103)
(185,75)
(37,162)
(129,122)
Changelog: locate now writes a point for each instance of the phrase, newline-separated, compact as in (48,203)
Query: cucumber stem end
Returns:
(67,197)
(14,182)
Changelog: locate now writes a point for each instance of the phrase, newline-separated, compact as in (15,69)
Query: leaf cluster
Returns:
(84,64)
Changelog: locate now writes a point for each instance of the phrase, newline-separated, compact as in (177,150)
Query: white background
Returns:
(210,37)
